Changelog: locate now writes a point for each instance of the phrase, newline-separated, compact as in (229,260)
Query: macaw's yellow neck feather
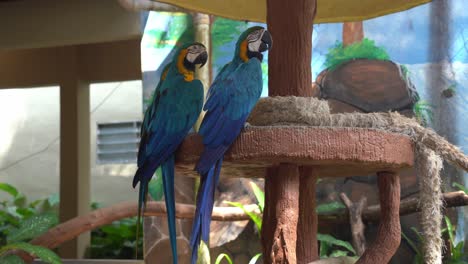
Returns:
(164,74)
(188,74)
(243,51)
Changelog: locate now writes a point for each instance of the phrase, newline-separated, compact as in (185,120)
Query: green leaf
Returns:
(259,194)
(11,259)
(411,243)
(203,253)
(329,207)
(54,199)
(334,241)
(460,187)
(223,256)
(33,227)
(44,254)
(450,230)
(324,247)
(256,218)
(255,258)
(420,237)
(9,189)
(155,186)
(366,49)
(20,200)
(457,251)
(338,253)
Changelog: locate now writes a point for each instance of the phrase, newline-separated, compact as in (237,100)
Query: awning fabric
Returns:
(328,11)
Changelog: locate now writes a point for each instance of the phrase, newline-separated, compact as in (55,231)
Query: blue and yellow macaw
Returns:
(231,98)
(176,105)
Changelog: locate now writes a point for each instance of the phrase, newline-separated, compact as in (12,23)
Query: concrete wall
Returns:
(29,139)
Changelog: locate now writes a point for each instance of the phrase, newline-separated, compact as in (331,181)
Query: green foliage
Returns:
(456,249)
(224,32)
(329,207)
(405,71)
(259,195)
(32,227)
(460,187)
(115,241)
(45,254)
(366,49)
(332,247)
(223,256)
(180,31)
(20,220)
(423,112)
(257,219)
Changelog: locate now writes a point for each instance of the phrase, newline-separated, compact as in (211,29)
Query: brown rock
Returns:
(369,85)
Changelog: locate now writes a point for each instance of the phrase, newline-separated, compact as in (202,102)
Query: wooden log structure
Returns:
(302,154)
(104,216)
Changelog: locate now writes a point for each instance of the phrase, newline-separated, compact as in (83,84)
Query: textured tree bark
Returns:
(279,230)
(352,32)
(289,62)
(355,220)
(289,72)
(389,233)
(307,247)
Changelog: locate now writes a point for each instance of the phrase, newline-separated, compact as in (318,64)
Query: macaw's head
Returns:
(252,43)
(188,56)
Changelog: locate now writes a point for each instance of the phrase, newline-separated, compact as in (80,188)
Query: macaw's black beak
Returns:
(267,41)
(202,59)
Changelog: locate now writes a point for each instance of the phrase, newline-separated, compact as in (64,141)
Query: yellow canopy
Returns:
(328,11)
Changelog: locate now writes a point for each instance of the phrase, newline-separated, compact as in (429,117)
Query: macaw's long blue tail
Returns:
(141,202)
(205,202)
(168,184)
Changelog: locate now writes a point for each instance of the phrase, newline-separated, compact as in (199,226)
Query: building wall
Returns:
(30,139)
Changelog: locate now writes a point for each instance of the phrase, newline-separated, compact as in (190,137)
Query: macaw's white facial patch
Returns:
(193,52)
(254,40)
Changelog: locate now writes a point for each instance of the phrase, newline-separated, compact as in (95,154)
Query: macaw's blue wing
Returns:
(176,107)
(231,98)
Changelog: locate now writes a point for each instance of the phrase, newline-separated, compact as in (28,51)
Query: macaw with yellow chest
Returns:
(176,105)
(231,98)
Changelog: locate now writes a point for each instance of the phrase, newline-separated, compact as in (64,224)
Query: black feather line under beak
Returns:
(267,40)
(201,59)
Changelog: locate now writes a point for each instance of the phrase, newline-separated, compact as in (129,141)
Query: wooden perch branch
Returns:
(355,220)
(407,206)
(74,227)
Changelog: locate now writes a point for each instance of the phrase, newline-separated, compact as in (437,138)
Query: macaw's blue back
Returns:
(176,105)
(231,98)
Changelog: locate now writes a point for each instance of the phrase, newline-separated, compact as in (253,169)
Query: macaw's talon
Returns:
(247,126)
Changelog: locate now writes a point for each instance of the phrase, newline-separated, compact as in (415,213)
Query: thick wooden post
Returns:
(201,23)
(289,72)
(282,208)
(75,167)
(352,32)
(389,233)
(307,247)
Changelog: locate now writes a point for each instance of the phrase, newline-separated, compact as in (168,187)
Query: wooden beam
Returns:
(52,23)
(103,62)
(111,61)
(75,143)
